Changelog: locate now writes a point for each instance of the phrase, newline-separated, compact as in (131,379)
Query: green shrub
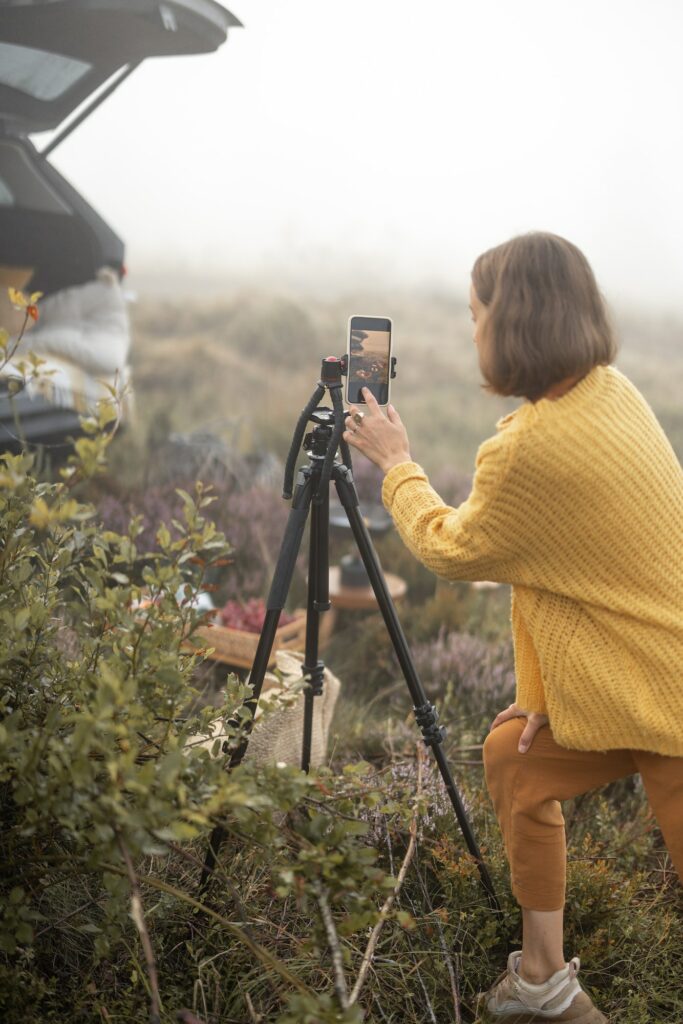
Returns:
(110,786)
(94,685)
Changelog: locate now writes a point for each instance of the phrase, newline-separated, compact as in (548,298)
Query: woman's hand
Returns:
(535,721)
(383,439)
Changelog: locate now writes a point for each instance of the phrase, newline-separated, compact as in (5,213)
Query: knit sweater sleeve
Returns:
(476,540)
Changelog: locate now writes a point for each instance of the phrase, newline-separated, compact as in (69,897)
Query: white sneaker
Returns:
(511,1000)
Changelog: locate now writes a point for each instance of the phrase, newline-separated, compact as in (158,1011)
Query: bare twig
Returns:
(335,947)
(198,990)
(379,1007)
(254,1017)
(389,902)
(137,913)
(454,972)
(428,1003)
(451,966)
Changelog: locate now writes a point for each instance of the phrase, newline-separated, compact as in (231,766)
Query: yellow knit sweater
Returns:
(578,503)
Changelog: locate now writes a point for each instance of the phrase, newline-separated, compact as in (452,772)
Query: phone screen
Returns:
(369,358)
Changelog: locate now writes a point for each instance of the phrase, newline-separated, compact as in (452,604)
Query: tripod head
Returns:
(326,438)
(317,441)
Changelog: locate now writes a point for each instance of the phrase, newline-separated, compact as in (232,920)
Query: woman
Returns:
(577,501)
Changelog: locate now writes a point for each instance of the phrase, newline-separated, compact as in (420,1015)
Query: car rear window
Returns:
(6,197)
(41,75)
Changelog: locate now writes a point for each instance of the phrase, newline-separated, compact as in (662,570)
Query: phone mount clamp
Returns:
(311,493)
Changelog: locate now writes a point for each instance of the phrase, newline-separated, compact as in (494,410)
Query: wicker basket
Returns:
(238,647)
(277,736)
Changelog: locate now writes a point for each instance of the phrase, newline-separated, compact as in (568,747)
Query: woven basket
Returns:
(277,736)
(238,647)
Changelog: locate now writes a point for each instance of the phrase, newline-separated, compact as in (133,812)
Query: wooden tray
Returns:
(238,647)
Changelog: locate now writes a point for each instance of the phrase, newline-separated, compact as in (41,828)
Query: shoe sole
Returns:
(581,1011)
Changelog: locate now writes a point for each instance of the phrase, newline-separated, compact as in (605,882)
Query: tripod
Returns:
(312,493)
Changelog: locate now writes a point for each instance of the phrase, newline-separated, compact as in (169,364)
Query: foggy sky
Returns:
(396,141)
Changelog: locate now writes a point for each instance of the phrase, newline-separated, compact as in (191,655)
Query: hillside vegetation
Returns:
(253,360)
(343,896)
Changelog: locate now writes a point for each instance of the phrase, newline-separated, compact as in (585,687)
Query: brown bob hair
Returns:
(546,317)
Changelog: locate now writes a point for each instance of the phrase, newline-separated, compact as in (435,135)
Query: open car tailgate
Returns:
(56,53)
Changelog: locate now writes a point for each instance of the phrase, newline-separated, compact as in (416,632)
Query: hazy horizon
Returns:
(172,281)
(332,146)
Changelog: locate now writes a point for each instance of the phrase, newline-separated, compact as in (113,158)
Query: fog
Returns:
(376,140)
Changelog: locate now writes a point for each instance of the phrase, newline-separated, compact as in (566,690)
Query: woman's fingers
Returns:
(504,716)
(352,434)
(372,403)
(383,439)
(534,723)
(350,426)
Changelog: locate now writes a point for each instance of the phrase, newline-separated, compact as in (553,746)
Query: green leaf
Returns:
(21,619)
(163,537)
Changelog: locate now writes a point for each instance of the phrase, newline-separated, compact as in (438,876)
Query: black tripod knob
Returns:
(426,717)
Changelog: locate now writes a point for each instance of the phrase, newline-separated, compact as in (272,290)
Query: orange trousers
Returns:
(526,790)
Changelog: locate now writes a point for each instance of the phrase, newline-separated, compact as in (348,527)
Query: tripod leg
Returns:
(425,713)
(282,578)
(318,601)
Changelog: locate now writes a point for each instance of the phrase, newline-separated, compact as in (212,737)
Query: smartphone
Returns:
(368,358)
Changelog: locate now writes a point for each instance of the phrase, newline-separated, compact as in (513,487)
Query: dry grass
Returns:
(243,367)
